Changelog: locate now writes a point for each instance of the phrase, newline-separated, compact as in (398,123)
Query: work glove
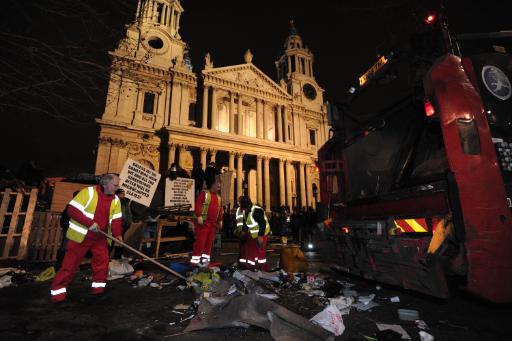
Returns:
(94,228)
(200,220)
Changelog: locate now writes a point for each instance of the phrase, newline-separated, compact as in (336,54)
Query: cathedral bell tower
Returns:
(295,69)
(151,87)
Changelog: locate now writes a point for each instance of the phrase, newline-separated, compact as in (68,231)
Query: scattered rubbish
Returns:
(349,293)
(5,281)
(408,314)
(145,281)
(246,310)
(187,318)
(315,282)
(177,312)
(181,268)
(342,303)
(421,324)
(232,289)
(119,267)
(181,320)
(204,280)
(330,319)
(181,306)
(269,296)
(46,274)
(345,284)
(241,277)
(313,292)
(378,287)
(215,300)
(155,285)
(13,277)
(424,336)
(181,287)
(395,299)
(369,338)
(365,307)
(293,259)
(388,335)
(366,299)
(394,327)
(137,274)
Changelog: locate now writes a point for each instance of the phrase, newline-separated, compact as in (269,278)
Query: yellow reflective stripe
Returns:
(81,209)
(117,215)
(91,195)
(415,226)
(76,204)
(77,228)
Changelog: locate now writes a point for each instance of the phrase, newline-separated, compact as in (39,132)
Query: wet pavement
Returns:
(136,313)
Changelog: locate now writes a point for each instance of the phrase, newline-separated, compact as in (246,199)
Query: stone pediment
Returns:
(246,75)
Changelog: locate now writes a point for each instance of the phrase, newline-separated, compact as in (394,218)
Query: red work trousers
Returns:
(252,255)
(203,242)
(74,254)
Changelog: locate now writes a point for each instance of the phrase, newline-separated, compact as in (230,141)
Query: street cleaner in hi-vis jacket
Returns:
(93,208)
(208,210)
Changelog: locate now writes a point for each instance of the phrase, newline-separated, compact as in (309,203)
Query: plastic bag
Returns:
(330,319)
(119,267)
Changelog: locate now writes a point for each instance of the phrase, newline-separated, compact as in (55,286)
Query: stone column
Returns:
(205,108)
(172,22)
(265,123)
(239,174)
(296,129)
(114,152)
(285,118)
(232,186)
(215,115)
(289,200)
(182,148)
(309,186)
(103,156)
(282,192)
(279,123)
(266,171)
(213,155)
(232,113)
(259,120)
(302,185)
(259,179)
(184,105)
(240,115)
(172,154)
(203,151)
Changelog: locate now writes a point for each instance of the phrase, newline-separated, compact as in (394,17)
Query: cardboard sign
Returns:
(139,182)
(179,192)
(225,187)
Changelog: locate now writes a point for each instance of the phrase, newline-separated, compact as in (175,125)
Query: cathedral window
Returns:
(312,137)
(149,103)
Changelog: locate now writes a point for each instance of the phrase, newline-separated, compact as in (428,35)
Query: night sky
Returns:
(54,61)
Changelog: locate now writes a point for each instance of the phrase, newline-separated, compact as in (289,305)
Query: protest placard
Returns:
(139,182)
(179,192)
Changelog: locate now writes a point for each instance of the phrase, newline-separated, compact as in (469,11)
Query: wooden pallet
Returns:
(16,215)
(46,237)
